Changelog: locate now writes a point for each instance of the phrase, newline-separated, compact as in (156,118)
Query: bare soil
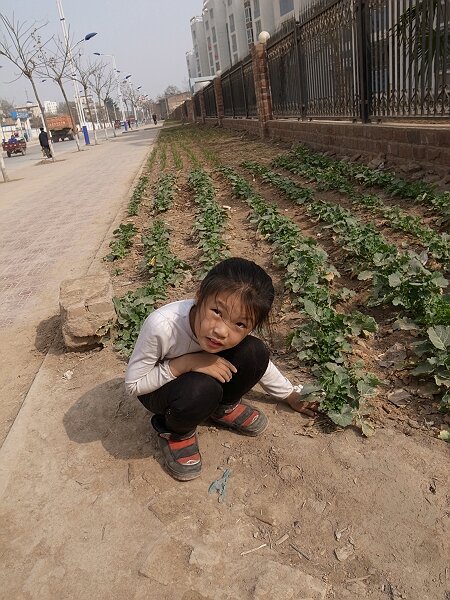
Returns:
(310,511)
(362,517)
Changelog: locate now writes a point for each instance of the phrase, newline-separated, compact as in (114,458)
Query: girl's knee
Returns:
(200,391)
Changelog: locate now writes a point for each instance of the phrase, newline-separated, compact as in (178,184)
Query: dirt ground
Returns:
(310,511)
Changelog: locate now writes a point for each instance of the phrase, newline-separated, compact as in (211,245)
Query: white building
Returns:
(217,41)
(227,30)
(236,30)
(199,47)
(191,64)
(50,107)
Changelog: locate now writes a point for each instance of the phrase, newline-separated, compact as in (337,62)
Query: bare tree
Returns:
(98,81)
(18,45)
(109,85)
(55,65)
(83,76)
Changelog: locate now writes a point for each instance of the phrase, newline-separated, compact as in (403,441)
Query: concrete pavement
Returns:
(53,219)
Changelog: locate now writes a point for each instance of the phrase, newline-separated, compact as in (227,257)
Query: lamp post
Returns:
(78,104)
(128,78)
(119,91)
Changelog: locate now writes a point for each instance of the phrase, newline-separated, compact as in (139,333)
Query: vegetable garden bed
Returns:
(362,312)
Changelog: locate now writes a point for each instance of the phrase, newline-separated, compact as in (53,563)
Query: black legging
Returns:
(193,397)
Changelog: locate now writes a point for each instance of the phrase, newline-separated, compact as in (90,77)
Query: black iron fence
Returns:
(238,91)
(210,100)
(351,59)
(362,59)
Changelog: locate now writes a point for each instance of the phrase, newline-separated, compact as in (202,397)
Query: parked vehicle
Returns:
(18,146)
(60,128)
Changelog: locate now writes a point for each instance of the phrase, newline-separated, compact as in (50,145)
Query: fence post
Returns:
(262,87)
(190,110)
(202,105)
(219,98)
(361,41)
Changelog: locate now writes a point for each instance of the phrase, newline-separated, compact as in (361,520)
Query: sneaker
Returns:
(181,454)
(241,417)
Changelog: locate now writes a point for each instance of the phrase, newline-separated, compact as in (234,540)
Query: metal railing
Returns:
(238,91)
(362,59)
(409,58)
(210,100)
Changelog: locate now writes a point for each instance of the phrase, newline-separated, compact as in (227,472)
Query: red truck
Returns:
(60,128)
(18,146)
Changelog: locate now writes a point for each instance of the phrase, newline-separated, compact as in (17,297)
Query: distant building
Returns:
(191,65)
(170,103)
(199,47)
(50,107)
(227,29)
(31,108)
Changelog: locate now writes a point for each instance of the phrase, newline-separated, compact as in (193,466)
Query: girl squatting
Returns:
(196,359)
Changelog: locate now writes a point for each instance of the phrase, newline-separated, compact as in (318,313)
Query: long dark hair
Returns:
(248,280)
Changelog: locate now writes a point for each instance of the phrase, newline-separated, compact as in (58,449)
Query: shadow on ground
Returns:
(107,414)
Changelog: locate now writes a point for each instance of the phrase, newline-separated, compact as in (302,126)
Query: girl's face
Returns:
(220,323)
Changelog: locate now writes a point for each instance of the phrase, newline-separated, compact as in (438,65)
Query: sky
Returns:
(149,39)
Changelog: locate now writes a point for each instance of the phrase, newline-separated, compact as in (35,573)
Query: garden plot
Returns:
(345,322)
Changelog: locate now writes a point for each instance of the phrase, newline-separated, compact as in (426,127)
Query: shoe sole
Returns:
(246,432)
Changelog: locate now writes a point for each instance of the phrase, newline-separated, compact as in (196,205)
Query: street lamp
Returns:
(127,78)
(78,104)
(119,91)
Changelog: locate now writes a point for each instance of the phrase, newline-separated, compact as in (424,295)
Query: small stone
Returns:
(414,424)
(68,375)
(399,397)
(345,552)
(204,556)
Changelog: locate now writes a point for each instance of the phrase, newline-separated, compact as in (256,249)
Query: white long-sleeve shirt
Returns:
(167,334)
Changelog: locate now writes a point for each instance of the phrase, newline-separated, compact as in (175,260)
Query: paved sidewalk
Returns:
(53,219)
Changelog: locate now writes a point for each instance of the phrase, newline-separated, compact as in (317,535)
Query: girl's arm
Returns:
(276,384)
(147,370)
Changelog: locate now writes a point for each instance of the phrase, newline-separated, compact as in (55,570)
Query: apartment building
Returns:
(199,47)
(214,15)
(227,29)
(50,107)
(191,64)
(236,32)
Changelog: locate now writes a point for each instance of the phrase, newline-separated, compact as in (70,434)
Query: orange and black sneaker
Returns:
(181,453)
(241,417)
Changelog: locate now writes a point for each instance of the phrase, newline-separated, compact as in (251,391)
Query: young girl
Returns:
(195,359)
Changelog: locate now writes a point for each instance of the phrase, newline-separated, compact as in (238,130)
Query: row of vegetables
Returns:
(324,338)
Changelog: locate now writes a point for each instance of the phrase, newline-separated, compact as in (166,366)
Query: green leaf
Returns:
(423,369)
(310,309)
(344,418)
(394,280)
(405,324)
(439,336)
(365,275)
(444,435)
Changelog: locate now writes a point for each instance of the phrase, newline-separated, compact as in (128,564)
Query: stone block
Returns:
(86,310)
(280,582)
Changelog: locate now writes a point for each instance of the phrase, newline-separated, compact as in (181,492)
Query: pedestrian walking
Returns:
(43,140)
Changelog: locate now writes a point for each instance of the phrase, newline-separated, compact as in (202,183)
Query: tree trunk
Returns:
(69,110)
(90,115)
(44,121)
(3,169)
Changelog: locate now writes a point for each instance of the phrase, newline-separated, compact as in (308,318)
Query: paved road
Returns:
(33,156)
(53,219)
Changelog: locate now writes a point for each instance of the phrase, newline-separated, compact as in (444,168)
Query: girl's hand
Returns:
(203,362)
(300,405)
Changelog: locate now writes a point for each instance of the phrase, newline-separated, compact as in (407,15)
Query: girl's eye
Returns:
(216,311)
(241,325)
